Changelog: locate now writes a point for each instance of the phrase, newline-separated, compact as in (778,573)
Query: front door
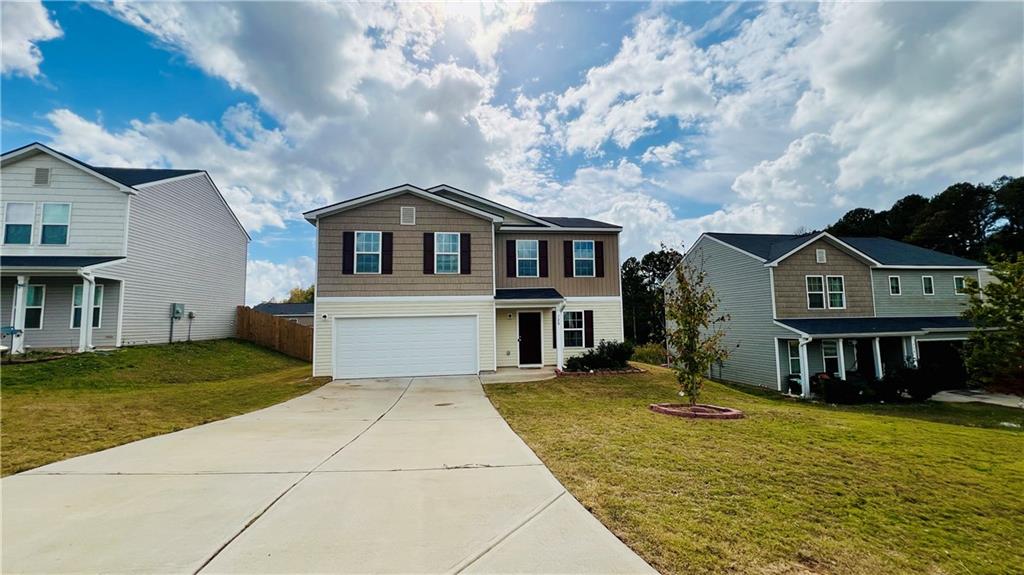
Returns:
(529,338)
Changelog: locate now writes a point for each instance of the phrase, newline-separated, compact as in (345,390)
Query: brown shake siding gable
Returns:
(407,277)
(790,286)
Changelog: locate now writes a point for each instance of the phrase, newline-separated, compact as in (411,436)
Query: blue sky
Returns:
(669,119)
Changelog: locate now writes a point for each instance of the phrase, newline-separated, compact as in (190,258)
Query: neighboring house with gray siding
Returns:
(131,241)
(814,303)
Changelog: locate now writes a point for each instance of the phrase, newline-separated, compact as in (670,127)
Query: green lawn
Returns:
(793,488)
(88,402)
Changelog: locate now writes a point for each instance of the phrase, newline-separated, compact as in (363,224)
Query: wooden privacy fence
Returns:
(275,333)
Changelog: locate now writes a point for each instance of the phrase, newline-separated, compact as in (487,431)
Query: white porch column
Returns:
(85,324)
(559,338)
(914,354)
(842,360)
(20,300)
(876,349)
(805,368)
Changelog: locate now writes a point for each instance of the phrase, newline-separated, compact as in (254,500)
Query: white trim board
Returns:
(407,298)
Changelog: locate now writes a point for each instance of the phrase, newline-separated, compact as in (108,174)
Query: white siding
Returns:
(57,331)
(184,246)
(98,209)
(322,336)
(607,326)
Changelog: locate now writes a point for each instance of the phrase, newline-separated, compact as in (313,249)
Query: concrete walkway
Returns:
(979,396)
(412,475)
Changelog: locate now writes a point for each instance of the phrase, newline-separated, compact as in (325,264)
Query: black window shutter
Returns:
(554,329)
(428,253)
(348,249)
(588,328)
(542,247)
(567,256)
(387,248)
(465,254)
(510,258)
(599,259)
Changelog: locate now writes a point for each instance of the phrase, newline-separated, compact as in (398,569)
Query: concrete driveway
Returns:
(400,475)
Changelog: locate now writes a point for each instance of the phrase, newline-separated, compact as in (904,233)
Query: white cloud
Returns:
(25,24)
(265,279)
(667,155)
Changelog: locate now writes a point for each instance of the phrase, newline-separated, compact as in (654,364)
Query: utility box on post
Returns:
(177,312)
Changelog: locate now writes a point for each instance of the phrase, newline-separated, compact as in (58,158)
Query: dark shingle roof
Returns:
(577,222)
(527,293)
(285,308)
(54,261)
(883,250)
(138,176)
(875,325)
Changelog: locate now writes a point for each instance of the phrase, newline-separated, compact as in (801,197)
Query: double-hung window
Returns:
(18,220)
(572,328)
(836,292)
(35,297)
(894,285)
(583,258)
(794,356)
(815,292)
(959,288)
(367,252)
(830,356)
(446,253)
(927,285)
(76,306)
(527,259)
(56,221)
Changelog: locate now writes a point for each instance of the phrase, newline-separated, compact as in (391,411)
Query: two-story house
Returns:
(815,303)
(96,257)
(439,281)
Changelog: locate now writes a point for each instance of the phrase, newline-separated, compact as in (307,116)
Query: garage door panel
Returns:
(405,346)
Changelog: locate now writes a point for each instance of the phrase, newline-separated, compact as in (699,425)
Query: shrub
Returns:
(607,355)
(855,389)
(652,353)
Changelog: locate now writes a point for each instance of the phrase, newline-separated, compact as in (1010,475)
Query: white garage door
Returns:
(405,346)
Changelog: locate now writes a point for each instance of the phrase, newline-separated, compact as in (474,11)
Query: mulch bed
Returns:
(599,372)
(698,411)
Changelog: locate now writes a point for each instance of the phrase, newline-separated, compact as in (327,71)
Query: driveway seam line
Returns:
(299,480)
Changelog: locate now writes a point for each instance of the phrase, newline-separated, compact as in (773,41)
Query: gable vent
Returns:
(819,256)
(42,177)
(408,217)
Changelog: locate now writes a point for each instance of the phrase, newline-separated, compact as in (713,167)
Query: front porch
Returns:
(529,328)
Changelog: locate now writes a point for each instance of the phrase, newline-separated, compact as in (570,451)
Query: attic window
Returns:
(819,256)
(408,217)
(42,177)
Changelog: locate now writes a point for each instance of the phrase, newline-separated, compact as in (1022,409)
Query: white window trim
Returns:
(791,346)
(823,292)
(42,214)
(964,280)
(593,260)
(536,259)
(899,286)
(820,256)
(829,292)
(96,312)
(923,290)
(356,253)
(582,329)
(824,363)
(31,233)
(42,306)
(457,253)
(401,219)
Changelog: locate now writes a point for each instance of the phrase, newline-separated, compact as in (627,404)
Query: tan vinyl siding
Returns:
(604,286)
(323,350)
(407,278)
(912,301)
(98,209)
(607,326)
(57,332)
(791,290)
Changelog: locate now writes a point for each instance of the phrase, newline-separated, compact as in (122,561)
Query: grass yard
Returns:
(793,488)
(84,403)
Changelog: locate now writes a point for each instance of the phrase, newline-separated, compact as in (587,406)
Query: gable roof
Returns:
(312,215)
(491,203)
(578,223)
(138,176)
(885,252)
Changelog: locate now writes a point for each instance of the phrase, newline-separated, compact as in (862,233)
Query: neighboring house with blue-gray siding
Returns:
(131,241)
(814,303)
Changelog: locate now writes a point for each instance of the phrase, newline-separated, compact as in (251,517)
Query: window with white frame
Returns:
(527,258)
(894,285)
(56,221)
(446,253)
(794,356)
(367,252)
(836,292)
(820,257)
(572,328)
(928,285)
(830,356)
(35,298)
(18,220)
(959,287)
(815,292)
(583,258)
(76,306)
